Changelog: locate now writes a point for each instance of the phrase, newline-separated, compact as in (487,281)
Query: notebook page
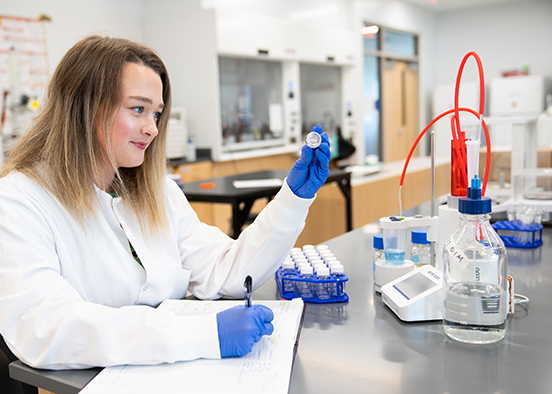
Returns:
(267,369)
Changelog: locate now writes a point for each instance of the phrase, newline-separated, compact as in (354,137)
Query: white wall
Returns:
(506,36)
(74,19)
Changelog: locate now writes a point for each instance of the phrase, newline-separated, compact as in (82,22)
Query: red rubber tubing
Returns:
(488,163)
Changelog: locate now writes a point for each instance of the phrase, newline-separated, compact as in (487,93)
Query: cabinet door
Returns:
(399,109)
(195,171)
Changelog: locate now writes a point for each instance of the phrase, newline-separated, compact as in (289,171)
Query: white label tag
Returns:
(483,270)
(456,254)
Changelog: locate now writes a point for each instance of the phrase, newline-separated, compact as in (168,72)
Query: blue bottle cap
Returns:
(419,236)
(474,204)
(378,241)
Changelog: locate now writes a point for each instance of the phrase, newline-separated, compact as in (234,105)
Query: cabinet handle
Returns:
(262,51)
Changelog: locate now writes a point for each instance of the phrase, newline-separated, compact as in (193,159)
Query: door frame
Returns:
(383,55)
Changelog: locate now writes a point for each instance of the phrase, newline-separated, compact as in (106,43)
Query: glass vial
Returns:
(288,271)
(338,288)
(475,274)
(379,253)
(323,287)
(305,289)
(420,253)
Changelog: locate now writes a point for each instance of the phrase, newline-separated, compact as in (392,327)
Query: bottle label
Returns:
(483,267)
(456,254)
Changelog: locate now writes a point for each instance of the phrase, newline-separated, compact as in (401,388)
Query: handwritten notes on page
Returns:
(267,369)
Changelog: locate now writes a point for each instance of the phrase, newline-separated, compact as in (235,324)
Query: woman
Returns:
(93,236)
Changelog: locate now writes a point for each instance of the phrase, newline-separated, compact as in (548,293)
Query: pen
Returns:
(247,285)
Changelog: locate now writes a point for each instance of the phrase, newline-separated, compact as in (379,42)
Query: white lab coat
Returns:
(75,299)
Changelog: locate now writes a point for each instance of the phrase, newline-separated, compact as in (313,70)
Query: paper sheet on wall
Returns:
(267,369)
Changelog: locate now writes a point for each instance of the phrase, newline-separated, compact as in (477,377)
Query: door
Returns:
(399,109)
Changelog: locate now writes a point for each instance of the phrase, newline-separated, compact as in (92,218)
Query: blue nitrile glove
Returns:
(311,170)
(241,326)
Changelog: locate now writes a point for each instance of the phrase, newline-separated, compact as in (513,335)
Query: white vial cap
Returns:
(301,265)
(295,250)
(308,247)
(329,258)
(306,270)
(323,271)
(316,261)
(301,260)
(322,247)
(325,253)
(333,262)
(317,266)
(337,269)
(313,139)
(288,265)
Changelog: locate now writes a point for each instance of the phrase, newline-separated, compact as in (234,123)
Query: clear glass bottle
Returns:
(420,253)
(379,253)
(475,274)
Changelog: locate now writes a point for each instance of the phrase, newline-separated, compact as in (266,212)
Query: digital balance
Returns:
(417,295)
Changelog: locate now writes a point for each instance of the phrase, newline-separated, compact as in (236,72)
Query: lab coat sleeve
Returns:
(219,264)
(48,324)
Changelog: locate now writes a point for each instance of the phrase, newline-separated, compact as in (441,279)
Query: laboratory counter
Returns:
(362,347)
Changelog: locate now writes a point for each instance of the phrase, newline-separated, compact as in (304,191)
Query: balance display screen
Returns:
(414,285)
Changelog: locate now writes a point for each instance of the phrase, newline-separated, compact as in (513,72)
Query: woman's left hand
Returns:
(311,170)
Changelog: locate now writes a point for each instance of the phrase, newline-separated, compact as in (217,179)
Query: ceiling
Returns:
(447,5)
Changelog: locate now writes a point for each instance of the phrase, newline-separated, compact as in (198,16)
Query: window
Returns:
(251,103)
(320,97)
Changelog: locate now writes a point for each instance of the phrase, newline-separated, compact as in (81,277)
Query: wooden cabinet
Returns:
(192,172)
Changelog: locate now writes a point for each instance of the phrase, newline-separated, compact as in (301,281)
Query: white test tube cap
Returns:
(313,139)
(333,262)
(323,271)
(288,265)
(316,261)
(337,269)
(306,270)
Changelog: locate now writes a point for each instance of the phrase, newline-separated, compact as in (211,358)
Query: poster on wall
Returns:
(23,72)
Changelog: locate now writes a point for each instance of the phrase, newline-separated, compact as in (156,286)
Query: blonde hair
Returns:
(62,151)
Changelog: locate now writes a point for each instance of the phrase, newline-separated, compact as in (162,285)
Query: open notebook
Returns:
(267,369)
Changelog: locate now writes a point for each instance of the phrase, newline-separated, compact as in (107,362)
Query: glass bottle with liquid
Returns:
(379,253)
(420,253)
(475,274)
